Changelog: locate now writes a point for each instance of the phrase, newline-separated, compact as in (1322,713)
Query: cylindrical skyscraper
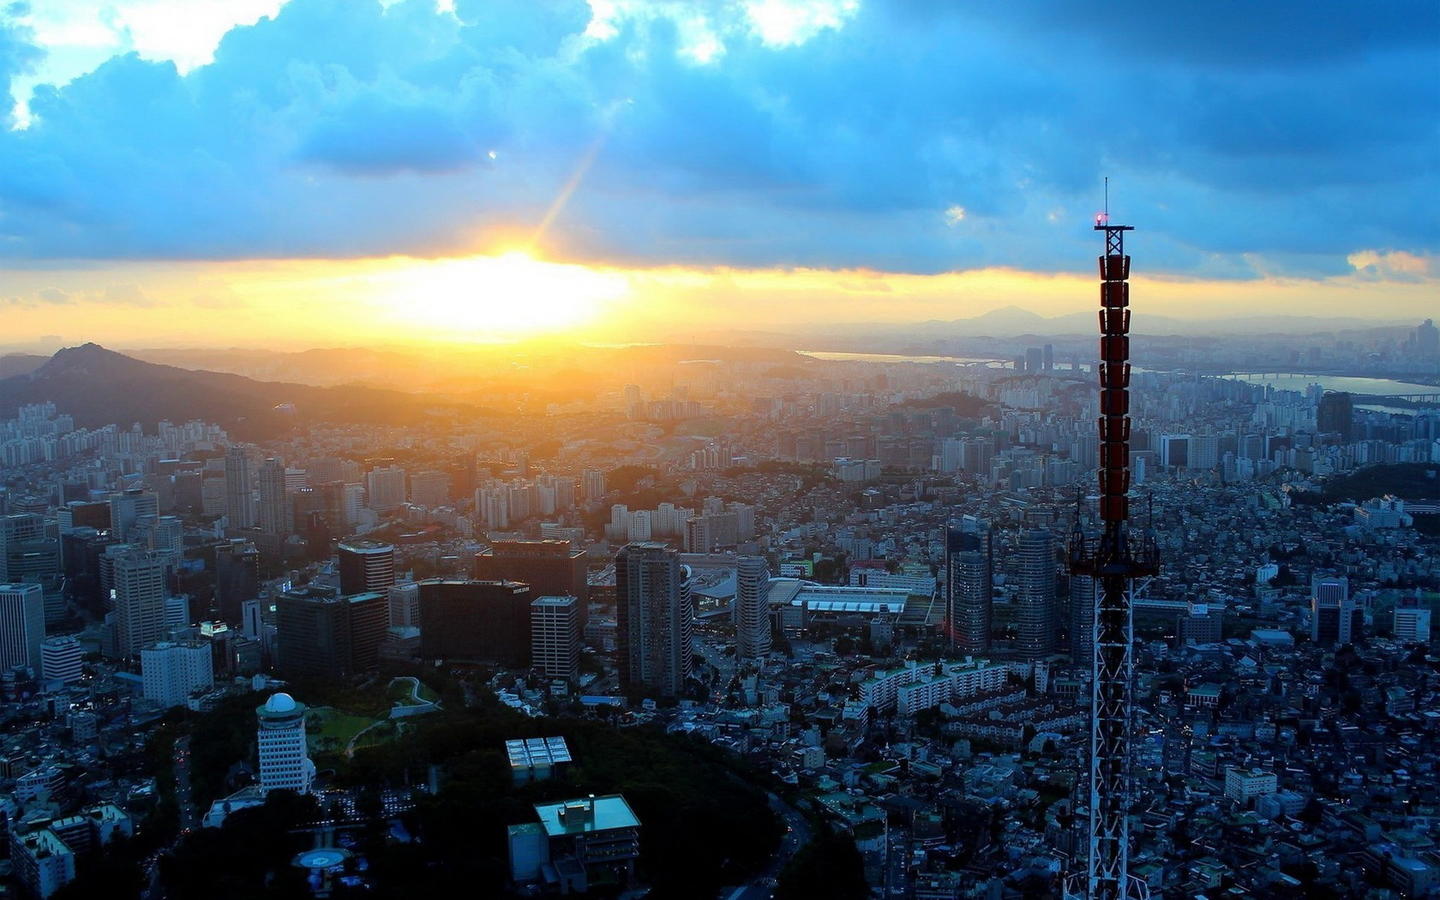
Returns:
(969,588)
(1035,607)
(752,608)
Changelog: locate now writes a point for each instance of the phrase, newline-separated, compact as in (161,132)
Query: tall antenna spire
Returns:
(1114,561)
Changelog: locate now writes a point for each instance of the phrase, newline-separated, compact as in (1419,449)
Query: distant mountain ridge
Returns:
(20,363)
(1014,321)
(99,387)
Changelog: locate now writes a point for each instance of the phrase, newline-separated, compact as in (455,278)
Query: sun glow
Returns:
(496,297)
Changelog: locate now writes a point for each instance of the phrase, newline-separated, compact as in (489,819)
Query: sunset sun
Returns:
(504,296)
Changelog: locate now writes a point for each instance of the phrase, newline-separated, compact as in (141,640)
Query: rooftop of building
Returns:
(43,842)
(587,815)
(365,545)
(280,704)
(324,595)
(545,548)
(970,664)
(537,751)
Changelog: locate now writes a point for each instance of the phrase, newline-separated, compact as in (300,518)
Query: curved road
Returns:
(797,835)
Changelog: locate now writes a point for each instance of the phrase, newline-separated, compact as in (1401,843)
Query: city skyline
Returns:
(619,448)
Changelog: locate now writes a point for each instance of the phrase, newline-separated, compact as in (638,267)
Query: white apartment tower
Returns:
(173,670)
(284,760)
(752,608)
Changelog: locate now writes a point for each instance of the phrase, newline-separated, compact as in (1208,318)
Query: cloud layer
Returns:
(1244,139)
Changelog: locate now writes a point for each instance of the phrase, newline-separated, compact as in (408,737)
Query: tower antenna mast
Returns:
(1114,561)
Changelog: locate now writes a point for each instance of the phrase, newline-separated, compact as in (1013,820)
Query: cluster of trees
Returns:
(704,822)
(967,406)
(827,868)
(1413,481)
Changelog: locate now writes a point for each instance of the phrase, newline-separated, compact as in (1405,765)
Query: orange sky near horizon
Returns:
(510,296)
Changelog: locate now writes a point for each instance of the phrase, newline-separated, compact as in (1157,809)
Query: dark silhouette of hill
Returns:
(99,386)
(20,363)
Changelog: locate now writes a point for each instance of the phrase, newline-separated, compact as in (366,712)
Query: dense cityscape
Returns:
(719,450)
(838,584)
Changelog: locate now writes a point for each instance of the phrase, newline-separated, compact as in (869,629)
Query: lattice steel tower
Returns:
(1114,560)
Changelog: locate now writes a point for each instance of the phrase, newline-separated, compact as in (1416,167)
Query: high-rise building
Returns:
(323,634)
(480,621)
(1251,446)
(555,636)
(82,514)
(1411,622)
(1035,604)
(653,613)
(159,533)
(129,507)
(239,492)
(61,658)
(752,608)
(976,456)
(41,861)
(1203,454)
(592,484)
(1175,450)
(274,501)
(366,566)
(1049,357)
(969,590)
(354,499)
(492,506)
(1336,415)
(550,568)
(17,529)
(280,740)
(430,489)
(1082,620)
(22,625)
(1199,624)
(385,486)
(35,561)
(1426,339)
(171,671)
(403,600)
(1335,617)
(237,577)
(140,584)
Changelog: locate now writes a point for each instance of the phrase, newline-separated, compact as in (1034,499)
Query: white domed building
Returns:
(284,759)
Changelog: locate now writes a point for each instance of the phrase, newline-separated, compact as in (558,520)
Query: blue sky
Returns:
(1248,140)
